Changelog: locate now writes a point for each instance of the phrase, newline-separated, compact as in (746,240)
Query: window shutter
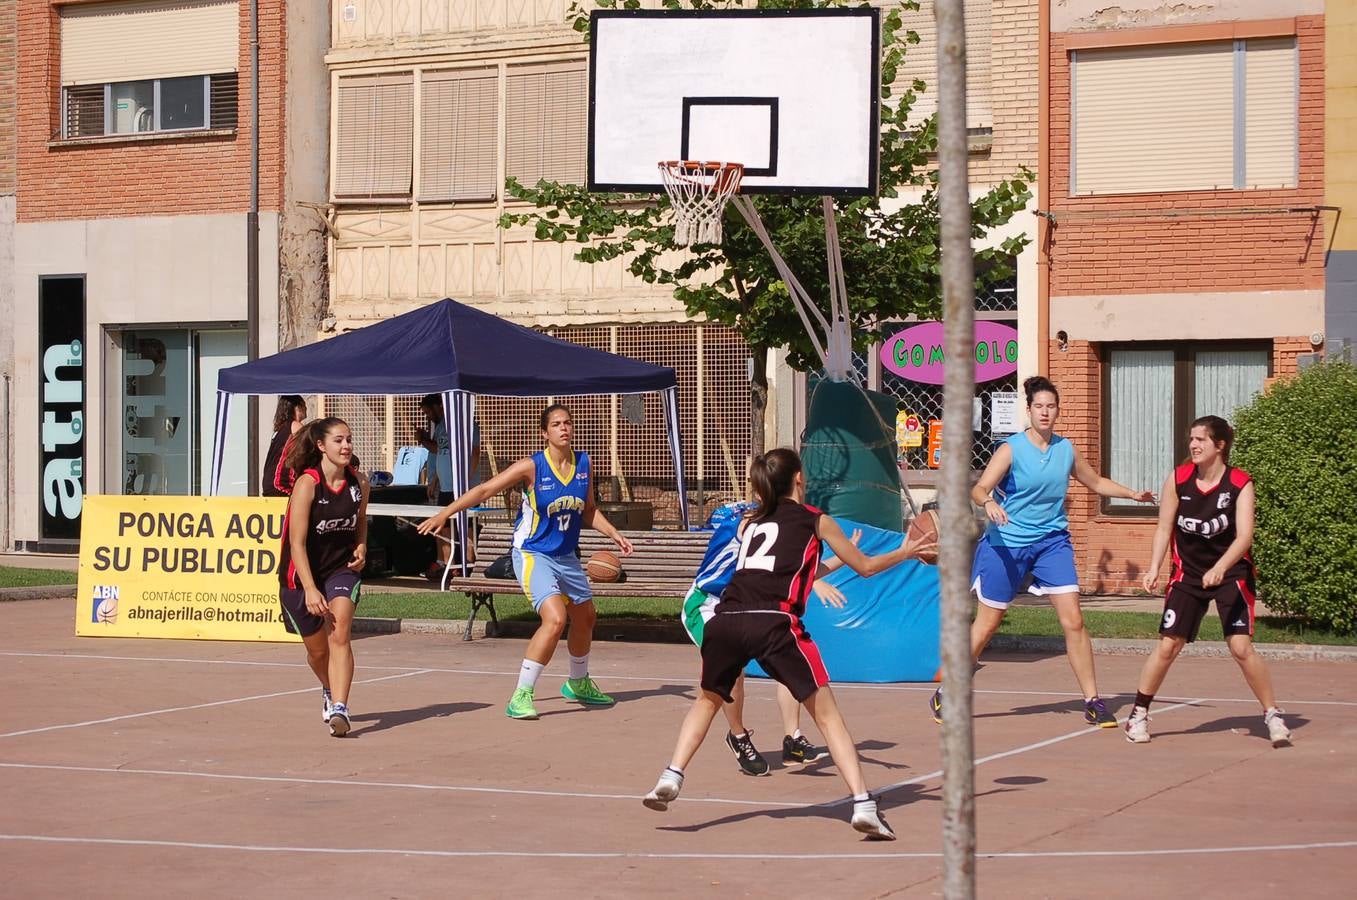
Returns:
(84,111)
(921,61)
(106,42)
(1270,113)
(1136,127)
(547,123)
(375,140)
(458,135)
(225,94)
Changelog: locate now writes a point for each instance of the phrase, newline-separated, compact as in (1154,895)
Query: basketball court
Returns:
(202,768)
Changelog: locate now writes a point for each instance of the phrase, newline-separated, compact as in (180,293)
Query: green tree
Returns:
(1299,442)
(890,247)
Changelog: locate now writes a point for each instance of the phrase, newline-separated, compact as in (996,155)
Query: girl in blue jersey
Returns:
(1023,493)
(558,499)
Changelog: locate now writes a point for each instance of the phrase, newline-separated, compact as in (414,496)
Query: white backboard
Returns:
(790,94)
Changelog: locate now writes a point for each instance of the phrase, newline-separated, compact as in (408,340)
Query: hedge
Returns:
(1299,441)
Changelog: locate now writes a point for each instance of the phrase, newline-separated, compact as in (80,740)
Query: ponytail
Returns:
(772,475)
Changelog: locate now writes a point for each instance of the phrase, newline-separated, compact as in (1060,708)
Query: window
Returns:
(194,102)
(458,135)
(131,68)
(547,123)
(1153,393)
(921,62)
(1136,129)
(375,136)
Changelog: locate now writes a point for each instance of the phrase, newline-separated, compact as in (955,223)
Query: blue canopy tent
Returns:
(458,351)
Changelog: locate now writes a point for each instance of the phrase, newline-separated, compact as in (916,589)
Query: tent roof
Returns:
(441,347)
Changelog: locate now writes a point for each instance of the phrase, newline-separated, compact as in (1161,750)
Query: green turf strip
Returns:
(1020,620)
(17,576)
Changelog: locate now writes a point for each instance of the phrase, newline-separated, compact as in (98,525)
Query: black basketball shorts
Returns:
(298,619)
(1185,606)
(777,640)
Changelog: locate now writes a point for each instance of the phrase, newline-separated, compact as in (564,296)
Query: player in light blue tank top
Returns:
(1023,493)
(558,499)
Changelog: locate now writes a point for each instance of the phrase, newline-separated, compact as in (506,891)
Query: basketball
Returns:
(923,532)
(603,566)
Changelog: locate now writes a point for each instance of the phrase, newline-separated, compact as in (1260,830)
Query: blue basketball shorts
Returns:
(999,572)
(542,576)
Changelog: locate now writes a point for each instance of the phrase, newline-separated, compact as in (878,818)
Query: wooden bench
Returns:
(662,564)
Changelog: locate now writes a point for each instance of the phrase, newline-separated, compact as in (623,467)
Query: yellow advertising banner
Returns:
(204,568)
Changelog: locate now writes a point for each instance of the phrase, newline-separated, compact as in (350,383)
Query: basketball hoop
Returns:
(699,192)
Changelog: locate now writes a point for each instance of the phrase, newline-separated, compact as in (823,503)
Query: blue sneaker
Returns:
(339,720)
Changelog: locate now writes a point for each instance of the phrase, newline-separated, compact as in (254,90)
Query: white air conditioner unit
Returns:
(129,116)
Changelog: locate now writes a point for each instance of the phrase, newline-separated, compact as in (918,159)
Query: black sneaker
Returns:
(935,706)
(751,761)
(797,751)
(1096,714)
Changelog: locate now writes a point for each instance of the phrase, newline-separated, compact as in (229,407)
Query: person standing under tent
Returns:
(759,618)
(1206,514)
(558,499)
(438,475)
(718,565)
(1029,535)
(287,421)
(324,551)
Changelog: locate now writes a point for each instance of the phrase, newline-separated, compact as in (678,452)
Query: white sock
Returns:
(861,798)
(527,675)
(672,771)
(579,666)
(796,734)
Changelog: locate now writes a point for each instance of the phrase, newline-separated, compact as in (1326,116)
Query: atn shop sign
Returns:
(61,401)
(916,352)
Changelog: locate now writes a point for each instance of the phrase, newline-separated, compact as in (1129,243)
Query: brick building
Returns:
(130,284)
(1183,244)
(9,59)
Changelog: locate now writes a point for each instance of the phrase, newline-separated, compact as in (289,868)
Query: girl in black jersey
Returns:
(287,421)
(324,550)
(759,617)
(1206,515)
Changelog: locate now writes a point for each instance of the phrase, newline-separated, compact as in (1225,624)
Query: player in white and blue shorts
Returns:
(1023,493)
(558,499)
(718,565)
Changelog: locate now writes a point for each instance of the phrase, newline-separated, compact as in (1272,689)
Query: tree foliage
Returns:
(1299,442)
(890,247)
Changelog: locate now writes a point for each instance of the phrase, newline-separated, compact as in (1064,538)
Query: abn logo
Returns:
(105,606)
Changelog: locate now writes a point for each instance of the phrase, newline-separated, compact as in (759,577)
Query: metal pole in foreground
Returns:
(958,314)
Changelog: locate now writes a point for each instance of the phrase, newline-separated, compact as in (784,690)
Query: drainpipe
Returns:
(1043,186)
(4,461)
(252,255)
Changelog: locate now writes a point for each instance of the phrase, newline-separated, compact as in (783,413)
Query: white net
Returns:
(699,191)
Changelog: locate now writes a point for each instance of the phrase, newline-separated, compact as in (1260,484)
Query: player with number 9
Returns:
(558,499)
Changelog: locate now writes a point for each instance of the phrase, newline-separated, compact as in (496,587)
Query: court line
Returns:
(174,709)
(413,786)
(919,687)
(625,854)
(1001,755)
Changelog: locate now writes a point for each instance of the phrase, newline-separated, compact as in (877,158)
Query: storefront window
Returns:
(169,381)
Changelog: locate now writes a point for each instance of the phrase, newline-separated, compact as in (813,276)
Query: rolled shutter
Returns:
(458,134)
(1137,128)
(547,123)
(375,136)
(921,61)
(1270,113)
(109,42)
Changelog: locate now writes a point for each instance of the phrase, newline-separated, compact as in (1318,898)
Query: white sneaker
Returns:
(328,704)
(1138,726)
(868,820)
(1277,731)
(339,720)
(665,790)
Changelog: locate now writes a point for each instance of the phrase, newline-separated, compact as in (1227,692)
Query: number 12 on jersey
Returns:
(755,549)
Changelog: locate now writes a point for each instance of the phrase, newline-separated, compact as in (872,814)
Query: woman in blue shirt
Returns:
(1023,493)
(558,499)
